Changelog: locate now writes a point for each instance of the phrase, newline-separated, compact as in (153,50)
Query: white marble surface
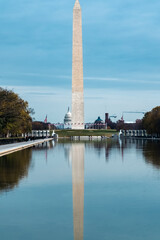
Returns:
(13,147)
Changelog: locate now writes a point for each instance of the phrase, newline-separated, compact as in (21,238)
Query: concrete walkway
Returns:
(14,147)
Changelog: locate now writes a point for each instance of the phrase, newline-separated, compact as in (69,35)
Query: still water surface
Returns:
(81,191)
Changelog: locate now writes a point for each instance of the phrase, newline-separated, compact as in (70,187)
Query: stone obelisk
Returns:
(77,153)
(77,70)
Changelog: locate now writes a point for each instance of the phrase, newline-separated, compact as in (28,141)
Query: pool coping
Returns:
(15,147)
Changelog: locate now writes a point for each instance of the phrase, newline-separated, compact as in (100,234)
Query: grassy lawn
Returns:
(92,132)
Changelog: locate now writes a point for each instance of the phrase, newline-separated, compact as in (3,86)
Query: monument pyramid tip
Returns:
(77,5)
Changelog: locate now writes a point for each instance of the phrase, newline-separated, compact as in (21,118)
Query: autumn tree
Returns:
(37,125)
(120,125)
(151,121)
(14,113)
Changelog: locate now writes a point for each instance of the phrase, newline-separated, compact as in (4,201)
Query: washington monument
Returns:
(77,70)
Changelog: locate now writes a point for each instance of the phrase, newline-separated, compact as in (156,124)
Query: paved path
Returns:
(14,147)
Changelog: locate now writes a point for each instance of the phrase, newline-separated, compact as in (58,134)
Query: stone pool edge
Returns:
(8,148)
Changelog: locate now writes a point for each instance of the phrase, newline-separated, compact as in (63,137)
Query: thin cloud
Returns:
(121,80)
(101,79)
(108,79)
(42,93)
(94,98)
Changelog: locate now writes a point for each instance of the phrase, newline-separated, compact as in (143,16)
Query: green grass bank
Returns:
(86,132)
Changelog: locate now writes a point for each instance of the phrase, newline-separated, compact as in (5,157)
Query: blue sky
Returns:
(121,55)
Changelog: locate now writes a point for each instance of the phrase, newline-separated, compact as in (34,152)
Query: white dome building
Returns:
(68,120)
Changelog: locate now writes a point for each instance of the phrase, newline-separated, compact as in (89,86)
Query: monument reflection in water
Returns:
(77,155)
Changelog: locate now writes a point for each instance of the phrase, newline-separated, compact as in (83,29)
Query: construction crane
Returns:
(113,116)
(134,112)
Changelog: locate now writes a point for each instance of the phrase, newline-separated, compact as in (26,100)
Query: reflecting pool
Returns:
(82,190)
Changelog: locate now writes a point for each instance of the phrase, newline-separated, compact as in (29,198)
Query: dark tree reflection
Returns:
(13,168)
(151,152)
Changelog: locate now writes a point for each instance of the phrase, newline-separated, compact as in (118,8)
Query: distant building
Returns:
(68,120)
(107,118)
(99,124)
(108,121)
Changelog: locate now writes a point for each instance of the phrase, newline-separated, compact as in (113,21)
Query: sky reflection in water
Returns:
(81,190)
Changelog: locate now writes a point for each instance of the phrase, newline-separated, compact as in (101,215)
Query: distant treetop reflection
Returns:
(108,145)
(13,168)
(148,148)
